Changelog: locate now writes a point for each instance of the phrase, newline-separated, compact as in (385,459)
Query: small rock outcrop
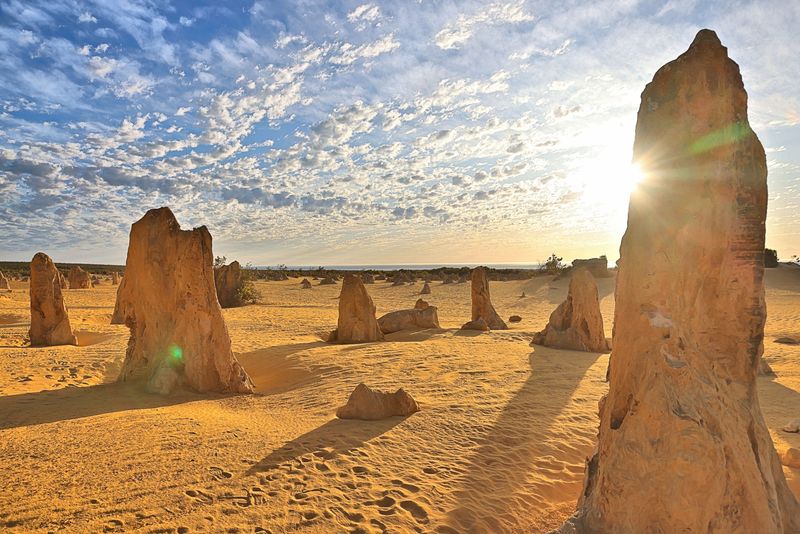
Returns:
(49,316)
(792,426)
(371,405)
(482,303)
(62,281)
(597,266)
(79,279)
(168,300)
(367,278)
(357,323)
(327,281)
(791,457)
(114,278)
(576,324)
(514,319)
(229,283)
(420,304)
(477,324)
(426,289)
(413,319)
(4,281)
(787,341)
(682,443)
(305,284)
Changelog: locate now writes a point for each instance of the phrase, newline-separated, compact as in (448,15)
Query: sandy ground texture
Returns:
(499,445)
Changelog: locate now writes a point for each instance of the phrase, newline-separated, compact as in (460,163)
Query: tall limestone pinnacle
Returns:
(682,444)
(168,300)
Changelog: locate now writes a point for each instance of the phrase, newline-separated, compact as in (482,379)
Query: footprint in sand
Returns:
(217,473)
(405,486)
(417,511)
(360,470)
(200,496)
(113,525)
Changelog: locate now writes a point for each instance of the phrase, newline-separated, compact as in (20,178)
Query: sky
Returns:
(304,132)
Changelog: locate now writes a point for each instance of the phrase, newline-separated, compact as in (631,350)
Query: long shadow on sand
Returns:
(334,438)
(28,409)
(520,443)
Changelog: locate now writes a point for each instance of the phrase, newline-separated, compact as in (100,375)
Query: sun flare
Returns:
(609,180)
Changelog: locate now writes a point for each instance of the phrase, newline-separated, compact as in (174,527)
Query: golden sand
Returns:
(498,446)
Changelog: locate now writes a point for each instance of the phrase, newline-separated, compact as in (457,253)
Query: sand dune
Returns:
(498,446)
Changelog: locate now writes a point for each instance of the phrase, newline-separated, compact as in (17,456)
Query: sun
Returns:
(609,179)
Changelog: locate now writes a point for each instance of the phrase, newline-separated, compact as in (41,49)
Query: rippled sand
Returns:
(499,444)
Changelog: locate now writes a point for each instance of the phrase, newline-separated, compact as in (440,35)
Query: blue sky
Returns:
(307,132)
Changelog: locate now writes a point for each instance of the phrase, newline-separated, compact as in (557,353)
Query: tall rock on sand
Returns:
(682,444)
(49,318)
(167,299)
(577,323)
(228,281)
(4,281)
(79,279)
(482,303)
(357,323)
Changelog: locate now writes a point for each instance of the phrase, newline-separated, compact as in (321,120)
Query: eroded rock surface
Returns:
(482,307)
(357,323)
(576,324)
(370,404)
(416,318)
(168,300)
(49,317)
(229,282)
(79,279)
(682,444)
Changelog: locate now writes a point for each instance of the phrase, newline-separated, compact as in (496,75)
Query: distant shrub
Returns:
(553,264)
(247,292)
(770,258)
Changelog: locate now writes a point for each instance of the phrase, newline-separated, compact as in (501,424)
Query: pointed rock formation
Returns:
(79,279)
(370,404)
(482,303)
(414,319)
(305,284)
(367,278)
(229,282)
(114,278)
(49,317)
(576,324)
(420,304)
(4,281)
(682,444)
(327,281)
(168,300)
(357,323)
(426,289)
(62,281)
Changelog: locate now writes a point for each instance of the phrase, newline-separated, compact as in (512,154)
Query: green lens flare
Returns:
(724,136)
(175,355)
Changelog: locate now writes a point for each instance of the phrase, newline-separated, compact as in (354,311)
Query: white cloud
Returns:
(455,35)
(87,17)
(348,53)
